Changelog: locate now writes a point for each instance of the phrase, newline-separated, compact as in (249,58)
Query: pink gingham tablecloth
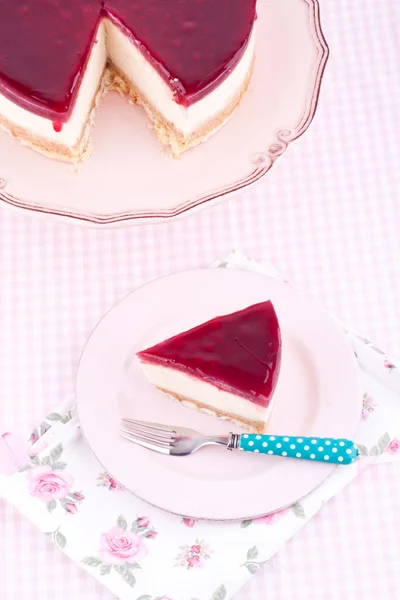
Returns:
(328,215)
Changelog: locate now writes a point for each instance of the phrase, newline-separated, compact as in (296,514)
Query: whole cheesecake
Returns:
(227,367)
(187,62)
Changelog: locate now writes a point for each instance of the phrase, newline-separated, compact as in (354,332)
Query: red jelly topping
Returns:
(57,127)
(44,45)
(239,353)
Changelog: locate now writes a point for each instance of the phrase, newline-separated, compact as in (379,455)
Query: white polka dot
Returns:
(258,437)
(327,443)
(299,440)
(320,448)
(298,454)
(256,450)
(341,443)
(285,439)
(340,459)
(279,445)
(348,451)
(284,453)
(312,455)
(326,457)
(292,446)
(265,444)
(334,449)
(270,452)
(306,447)
(251,443)
(313,441)
(272,437)
(245,436)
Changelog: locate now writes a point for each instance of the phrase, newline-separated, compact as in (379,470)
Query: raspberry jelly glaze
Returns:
(239,353)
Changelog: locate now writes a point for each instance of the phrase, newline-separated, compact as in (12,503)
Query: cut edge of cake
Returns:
(256,420)
(163,129)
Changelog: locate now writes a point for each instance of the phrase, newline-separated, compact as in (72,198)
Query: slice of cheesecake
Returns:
(227,367)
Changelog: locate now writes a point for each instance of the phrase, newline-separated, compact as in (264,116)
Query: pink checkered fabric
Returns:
(327,215)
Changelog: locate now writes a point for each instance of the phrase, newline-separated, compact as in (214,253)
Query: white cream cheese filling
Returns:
(177,382)
(154,89)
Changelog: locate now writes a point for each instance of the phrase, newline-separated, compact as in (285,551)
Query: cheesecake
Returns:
(186,62)
(227,367)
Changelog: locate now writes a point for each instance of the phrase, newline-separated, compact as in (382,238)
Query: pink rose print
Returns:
(71,508)
(368,407)
(49,482)
(194,556)
(142,527)
(105,480)
(297,509)
(393,447)
(46,484)
(151,535)
(34,437)
(143,522)
(272,518)
(389,365)
(78,496)
(189,522)
(118,547)
(121,549)
(39,432)
(193,561)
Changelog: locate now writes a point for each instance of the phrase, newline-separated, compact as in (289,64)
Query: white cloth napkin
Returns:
(142,553)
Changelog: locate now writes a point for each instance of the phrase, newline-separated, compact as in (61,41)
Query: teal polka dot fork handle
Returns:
(330,450)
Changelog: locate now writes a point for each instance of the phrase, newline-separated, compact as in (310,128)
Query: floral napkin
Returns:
(142,553)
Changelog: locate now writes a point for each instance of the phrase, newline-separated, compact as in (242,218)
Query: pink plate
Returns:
(317,394)
(118,184)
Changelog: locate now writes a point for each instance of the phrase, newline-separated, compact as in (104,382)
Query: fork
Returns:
(180,441)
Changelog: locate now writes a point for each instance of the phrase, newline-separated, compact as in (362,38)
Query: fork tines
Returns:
(149,435)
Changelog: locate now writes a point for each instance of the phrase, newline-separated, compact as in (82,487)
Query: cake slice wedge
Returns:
(227,367)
